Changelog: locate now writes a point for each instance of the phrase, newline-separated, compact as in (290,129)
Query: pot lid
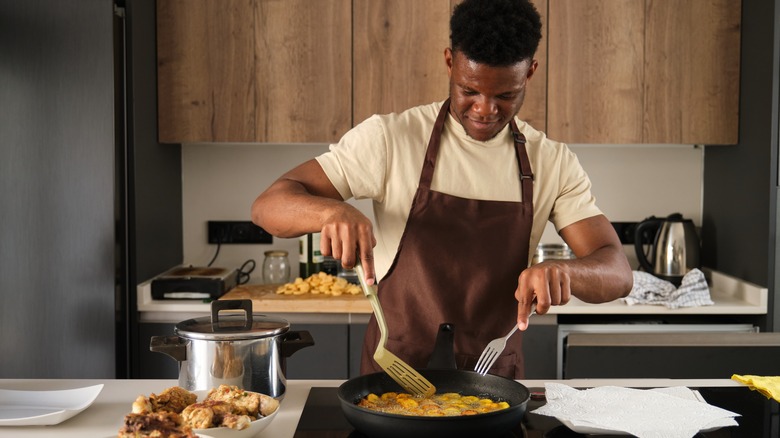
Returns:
(232,326)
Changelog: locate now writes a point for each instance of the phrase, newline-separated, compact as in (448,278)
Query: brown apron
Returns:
(457,262)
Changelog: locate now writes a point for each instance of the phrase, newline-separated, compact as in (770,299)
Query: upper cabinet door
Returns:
(399,58)
(652,71)
(534,109)
(399,55)
(254,70)
(692,69)
(595,71)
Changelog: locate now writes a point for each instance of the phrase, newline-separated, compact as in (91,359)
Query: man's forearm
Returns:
(286,209)
(601,276)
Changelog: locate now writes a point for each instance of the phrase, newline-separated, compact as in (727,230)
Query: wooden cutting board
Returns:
(265,299)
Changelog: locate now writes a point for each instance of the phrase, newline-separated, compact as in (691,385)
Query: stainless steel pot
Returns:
(242,349)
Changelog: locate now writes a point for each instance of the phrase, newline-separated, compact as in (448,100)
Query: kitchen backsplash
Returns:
(220,182)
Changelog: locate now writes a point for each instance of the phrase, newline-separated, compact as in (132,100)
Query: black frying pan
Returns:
(380,424)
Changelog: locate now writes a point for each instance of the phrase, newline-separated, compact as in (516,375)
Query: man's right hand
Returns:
(348,234)
(304,200)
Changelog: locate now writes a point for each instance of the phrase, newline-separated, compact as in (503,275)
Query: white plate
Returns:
(225,432)
(588,430)
(43,408)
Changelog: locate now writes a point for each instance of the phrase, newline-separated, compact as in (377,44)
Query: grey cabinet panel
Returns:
(540,351)
(356,334)
(670,355)
(327,359)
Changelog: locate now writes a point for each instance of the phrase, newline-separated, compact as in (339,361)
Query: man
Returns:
(461,193)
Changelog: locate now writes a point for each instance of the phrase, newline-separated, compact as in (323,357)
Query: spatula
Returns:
(406,376)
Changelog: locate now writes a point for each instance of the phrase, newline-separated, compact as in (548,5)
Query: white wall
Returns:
(220,182)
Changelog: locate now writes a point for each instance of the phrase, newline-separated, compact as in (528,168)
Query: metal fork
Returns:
(406,376)
(493,350)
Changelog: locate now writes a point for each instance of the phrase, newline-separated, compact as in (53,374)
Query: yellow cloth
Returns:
(767,385)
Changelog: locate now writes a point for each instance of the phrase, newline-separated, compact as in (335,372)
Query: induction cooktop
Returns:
(322,417)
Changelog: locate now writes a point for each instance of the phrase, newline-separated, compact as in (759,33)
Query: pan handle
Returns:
(443,356)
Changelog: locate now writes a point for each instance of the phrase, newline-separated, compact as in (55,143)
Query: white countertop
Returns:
(732,296)
(104,417)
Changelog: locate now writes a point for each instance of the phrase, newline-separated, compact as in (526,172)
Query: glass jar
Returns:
(276,267)
(552,251)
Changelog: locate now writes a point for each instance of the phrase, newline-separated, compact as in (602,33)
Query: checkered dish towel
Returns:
(649,289)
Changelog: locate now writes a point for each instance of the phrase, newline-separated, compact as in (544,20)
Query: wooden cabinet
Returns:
(652,71)
(302,71)
(610,71)
(399,55)
(254,70)
(399,58)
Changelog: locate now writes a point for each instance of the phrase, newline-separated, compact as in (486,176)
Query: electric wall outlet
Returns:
(626,232)
(232,232)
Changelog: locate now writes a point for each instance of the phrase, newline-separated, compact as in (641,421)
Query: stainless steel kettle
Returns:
(675,249)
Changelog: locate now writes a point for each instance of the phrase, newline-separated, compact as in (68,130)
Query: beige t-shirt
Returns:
(381,159)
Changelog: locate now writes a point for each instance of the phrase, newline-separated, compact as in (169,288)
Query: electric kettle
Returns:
(675,249)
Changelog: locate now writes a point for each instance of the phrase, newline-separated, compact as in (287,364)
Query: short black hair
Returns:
(496,32)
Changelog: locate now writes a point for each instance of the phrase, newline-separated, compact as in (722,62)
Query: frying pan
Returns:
(383,425)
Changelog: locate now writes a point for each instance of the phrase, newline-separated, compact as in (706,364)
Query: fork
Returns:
(493,349)
(406,376)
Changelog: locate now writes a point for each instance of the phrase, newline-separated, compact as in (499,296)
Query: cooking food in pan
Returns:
(378,424)
(449,404)
(176,412)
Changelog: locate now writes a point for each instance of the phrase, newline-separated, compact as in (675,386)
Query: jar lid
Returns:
(232,326)
(276,253)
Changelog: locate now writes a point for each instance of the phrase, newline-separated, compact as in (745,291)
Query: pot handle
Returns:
(173,346)
(218,305)
(294,341)
(443,356)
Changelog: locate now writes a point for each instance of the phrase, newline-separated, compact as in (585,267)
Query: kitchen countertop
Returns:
(104,417)
(731,296)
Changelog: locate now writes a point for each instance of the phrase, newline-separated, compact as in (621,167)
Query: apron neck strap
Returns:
(526,176)
(426,176)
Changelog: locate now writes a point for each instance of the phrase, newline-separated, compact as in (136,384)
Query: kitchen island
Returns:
(104,417)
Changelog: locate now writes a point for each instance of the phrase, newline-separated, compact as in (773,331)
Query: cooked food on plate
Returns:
(176,411)
(249,403)
(155,425)
(438,405)
(173,399)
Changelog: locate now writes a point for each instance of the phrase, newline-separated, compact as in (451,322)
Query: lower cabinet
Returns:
(336,352)
(357,332)
(540,347)
(328,358)
(539,350)
(692,355)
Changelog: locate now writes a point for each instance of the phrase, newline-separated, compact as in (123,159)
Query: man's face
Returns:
(485,98)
